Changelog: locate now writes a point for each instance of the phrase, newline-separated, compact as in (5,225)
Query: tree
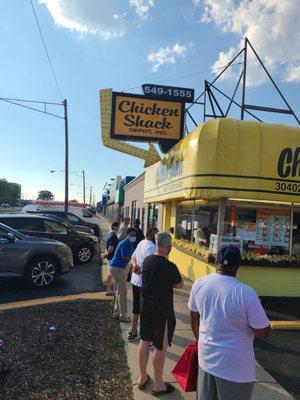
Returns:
(45,195)
(9,192)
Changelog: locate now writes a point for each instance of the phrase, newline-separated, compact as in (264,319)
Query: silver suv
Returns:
(39,261)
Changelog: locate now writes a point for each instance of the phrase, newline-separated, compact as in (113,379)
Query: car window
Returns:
(24,224)
(72,218)
(55,227)
(29,224)
(86,213)
(12,222)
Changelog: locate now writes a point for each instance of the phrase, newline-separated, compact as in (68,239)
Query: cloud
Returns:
(272,27)
(106,18)
(167,55)
(142,7)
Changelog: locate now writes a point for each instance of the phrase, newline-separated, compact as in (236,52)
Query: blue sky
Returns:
(120,44)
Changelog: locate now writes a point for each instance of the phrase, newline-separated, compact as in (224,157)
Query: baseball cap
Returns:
(229,256)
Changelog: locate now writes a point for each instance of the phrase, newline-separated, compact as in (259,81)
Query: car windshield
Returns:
(55,227)
(86,213)
(19,235)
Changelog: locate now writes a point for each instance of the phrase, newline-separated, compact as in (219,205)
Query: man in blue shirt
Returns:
(117,269)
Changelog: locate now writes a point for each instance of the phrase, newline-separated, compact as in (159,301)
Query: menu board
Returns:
(272,227)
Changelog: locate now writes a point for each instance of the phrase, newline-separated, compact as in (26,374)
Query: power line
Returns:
(189,75)
(45,47)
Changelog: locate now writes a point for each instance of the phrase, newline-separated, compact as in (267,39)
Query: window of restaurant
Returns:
(143,219)
(196,221)
(133,211)
(261,230)
(152,216)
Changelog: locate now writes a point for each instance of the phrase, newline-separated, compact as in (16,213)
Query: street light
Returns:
(76,174)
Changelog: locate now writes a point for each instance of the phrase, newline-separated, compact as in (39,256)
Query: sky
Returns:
(121,44)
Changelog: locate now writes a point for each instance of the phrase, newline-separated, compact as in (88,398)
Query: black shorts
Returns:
(152,328)
(136,295)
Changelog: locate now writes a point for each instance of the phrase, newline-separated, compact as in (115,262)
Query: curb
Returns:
(54,299)
(285,325)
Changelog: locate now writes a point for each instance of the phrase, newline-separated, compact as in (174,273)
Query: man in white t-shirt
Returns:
(225,316)
(144,249)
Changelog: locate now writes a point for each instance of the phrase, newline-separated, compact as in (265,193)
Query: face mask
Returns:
(132,239)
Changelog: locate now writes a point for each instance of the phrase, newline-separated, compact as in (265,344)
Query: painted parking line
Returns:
(54,299)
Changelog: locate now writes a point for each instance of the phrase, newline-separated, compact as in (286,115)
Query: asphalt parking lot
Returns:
(280,353)
(83,278)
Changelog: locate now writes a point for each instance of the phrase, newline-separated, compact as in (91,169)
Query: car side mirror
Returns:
(11,238)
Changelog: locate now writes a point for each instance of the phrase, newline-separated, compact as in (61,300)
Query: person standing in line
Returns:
(225,316)
(139,233)
(157,319)
(144,249)
(117,269)
(123,229)
(111,245)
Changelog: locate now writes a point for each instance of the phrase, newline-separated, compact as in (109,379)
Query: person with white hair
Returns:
(157,318)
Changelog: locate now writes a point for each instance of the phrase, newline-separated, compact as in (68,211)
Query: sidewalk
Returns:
(265,386)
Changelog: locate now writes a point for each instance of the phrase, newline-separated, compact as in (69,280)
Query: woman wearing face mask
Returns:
(144,249)
(117,269)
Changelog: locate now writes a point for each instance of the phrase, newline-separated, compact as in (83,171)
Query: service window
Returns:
(55,227)
(296,232)
(259,229)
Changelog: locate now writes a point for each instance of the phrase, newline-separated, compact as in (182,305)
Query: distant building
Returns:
(134,207)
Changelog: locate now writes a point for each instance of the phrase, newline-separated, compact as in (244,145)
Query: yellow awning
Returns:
(229,158)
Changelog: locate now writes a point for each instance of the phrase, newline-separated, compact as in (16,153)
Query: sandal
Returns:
(170,389)
(142,386)
(125,319)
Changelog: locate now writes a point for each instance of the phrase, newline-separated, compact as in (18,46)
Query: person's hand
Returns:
(137,269)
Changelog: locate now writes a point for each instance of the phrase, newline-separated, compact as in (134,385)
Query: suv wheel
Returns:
(41,272)
(84,254)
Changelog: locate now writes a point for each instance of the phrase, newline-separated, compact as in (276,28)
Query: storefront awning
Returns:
(229,158)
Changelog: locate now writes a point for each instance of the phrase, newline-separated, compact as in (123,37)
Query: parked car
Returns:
(83,213)
(70,217)
(78,228)
(83,246)
(5,205)
(39,261)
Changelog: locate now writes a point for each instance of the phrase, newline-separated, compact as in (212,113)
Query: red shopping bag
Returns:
(186,369)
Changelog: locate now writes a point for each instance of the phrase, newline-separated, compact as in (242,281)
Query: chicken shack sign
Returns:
(142,118)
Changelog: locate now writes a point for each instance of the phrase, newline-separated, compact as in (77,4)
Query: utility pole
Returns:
(91,190)
(83,183)
(65,104)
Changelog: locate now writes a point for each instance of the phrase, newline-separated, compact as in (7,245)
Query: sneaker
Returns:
(132,336)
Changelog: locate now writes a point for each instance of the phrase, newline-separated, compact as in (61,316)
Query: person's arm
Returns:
(177,279)
(257,318)
(126,252)
(194,314)
(178,285)
(262,333)
(195,323)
